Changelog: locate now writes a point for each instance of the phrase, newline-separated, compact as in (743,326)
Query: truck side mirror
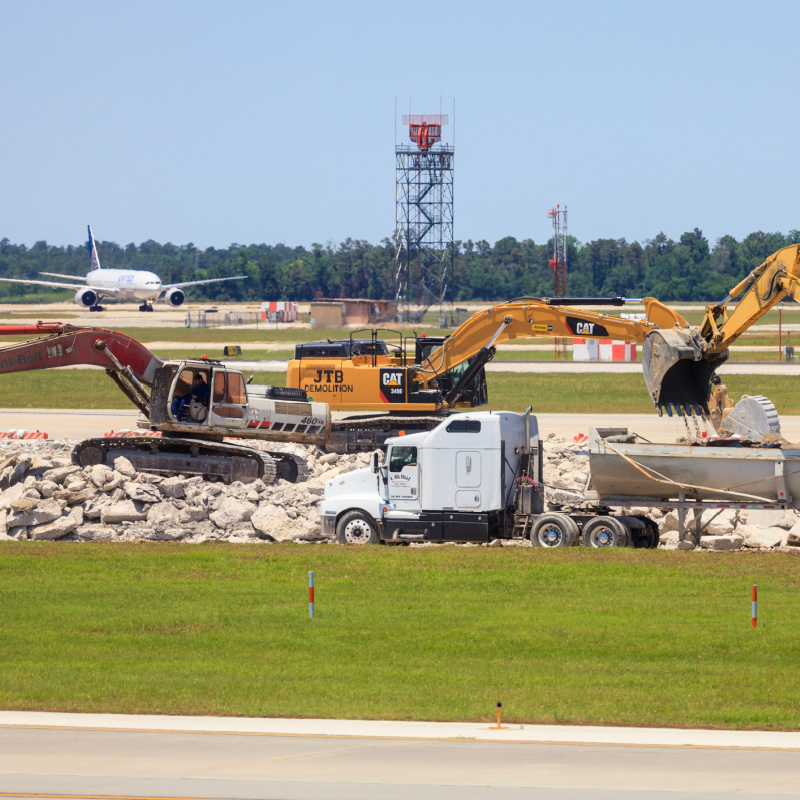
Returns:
(376,464)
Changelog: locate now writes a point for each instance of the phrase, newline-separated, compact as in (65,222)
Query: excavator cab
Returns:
(223,404)
(471,388)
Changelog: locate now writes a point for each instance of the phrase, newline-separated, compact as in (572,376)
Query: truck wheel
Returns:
(647,536)
(605,532)
(356,527)
(554,530)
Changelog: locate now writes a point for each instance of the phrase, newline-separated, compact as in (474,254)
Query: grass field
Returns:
(579,393)
(78,388)
(620,638)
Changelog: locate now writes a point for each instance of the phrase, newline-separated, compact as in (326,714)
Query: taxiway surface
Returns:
(110,756)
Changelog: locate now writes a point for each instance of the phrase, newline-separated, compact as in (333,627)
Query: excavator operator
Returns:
(198,394)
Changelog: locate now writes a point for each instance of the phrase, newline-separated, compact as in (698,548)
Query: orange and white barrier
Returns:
(279,311)
(617,351)
(22,434)
(602,350)
(127,434)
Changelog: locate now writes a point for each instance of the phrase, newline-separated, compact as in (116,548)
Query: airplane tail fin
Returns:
(93,247)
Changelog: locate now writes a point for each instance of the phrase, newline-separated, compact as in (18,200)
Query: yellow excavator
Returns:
(417,378)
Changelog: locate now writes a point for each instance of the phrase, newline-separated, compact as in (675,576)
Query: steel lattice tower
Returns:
(424,215)
(558,263)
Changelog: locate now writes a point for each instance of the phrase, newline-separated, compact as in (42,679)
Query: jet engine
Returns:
(86,297)
(175,297)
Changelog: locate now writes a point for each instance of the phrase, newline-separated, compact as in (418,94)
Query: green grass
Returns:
(583,393)
(620,638)
(578,393)
(79,389)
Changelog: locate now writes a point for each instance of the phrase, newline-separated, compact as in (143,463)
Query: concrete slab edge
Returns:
(395,729)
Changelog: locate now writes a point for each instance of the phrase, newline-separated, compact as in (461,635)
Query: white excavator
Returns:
(196,442)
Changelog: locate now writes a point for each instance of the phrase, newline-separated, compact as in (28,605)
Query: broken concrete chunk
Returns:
(123,466)
(53,530)
(23,514)
(123,511)
(59,474)
(172,487)
(732,542)
(162,515)
(757,538)
(142,492)
(231,511)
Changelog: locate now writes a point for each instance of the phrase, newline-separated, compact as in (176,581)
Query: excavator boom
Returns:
(542,318)
(67,345)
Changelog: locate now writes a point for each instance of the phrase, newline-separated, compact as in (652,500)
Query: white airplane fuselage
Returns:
(128,285)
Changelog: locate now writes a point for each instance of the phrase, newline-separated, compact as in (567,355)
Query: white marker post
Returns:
(311,594)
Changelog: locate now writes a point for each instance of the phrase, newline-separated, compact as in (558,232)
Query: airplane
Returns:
(120,284)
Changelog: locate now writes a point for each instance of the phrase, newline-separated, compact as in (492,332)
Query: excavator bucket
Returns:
(677,371)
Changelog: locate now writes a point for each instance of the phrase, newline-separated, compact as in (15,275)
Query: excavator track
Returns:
(167,455)
(289,467)
(360,434)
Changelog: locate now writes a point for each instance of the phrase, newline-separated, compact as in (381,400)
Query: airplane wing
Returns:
(44,283)
(57,275)
(97,291)
(197,283)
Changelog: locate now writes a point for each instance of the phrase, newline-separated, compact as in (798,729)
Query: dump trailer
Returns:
(193,437)
(477,476)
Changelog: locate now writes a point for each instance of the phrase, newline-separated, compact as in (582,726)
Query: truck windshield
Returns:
(402,457)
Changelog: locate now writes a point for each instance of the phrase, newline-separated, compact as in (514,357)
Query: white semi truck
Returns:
(473,478)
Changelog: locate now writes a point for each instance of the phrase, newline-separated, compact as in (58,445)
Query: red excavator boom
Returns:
(67,345)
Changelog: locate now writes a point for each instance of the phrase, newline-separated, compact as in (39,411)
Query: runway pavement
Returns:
(60,755)
(78,424)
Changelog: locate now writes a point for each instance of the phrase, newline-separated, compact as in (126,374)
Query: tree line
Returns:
(687,269)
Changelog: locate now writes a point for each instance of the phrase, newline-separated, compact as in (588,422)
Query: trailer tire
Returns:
(647,536)
(554,530)
(356,528)
(605,532)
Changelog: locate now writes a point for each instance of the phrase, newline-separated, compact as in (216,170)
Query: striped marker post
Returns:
(754,613)
(311,594)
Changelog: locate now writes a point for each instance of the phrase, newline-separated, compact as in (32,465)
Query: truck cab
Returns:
(456,482)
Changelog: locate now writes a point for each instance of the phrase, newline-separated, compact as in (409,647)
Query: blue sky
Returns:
(221,122)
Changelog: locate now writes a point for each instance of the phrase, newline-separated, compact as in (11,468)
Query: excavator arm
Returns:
(680,362)
(476,338)
(127,362)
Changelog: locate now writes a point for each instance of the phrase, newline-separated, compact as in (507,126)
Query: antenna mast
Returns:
(558,263)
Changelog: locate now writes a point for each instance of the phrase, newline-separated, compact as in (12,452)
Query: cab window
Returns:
(464,426)
(402,457)
(229,387)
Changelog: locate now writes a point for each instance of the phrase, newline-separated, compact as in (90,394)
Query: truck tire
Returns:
(605,532)
(647,536)
(356,528)
(554,530)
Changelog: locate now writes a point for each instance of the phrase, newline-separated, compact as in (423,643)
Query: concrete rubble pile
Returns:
(43,496)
